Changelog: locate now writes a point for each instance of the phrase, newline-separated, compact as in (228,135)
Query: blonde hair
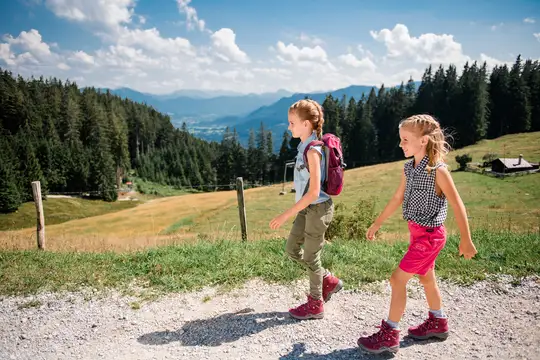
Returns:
(310,110)
(437,146)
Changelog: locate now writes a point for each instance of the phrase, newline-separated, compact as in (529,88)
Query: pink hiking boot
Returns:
(331,285)
(312,309)
(432,327)
(386,339)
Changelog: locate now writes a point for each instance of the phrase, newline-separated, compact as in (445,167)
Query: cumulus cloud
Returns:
(192,19)
(351,60)
(294,53)
(106,12)
(537,36)
(529,20)
(225,47)
(427,48)
(309,39)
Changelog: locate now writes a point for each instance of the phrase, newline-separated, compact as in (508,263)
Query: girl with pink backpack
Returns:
(318,173)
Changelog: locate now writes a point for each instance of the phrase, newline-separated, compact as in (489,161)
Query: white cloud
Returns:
(529,20)
(81,57)
(491,62)
(537,36)
(364,63)
(107,12)
(30,41)
(192,19)
(224,45)
(293,53)
(312,40)
(142,20)
(425,49)
(363,51)
(151,39)
(6,55)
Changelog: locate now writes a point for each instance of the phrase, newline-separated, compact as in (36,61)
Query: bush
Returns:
(489,158)
(462,160)
(352,224)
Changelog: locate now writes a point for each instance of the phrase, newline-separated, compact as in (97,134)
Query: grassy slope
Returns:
(503,204)
(60,210)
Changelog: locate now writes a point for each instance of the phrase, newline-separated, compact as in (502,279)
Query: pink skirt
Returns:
(425,245)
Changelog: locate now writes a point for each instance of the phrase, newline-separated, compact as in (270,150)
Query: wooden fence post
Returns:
(241,206)
(36,190)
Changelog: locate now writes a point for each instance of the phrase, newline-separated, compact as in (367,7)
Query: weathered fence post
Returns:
(36,190)
(241,206)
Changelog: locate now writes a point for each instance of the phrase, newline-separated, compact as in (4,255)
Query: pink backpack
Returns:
(331,145)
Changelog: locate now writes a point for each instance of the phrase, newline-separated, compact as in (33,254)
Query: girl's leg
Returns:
(398,281)
(296,239)
(433,295)
(436,325)
(318,219)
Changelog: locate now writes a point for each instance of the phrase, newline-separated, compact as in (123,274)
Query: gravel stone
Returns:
(495,318)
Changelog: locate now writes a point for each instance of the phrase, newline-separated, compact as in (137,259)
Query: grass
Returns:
(229,263)
(150,188)
(177,226)
(60,210)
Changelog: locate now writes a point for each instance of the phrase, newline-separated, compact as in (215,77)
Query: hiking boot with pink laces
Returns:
(331,285)
(386,339)
(312,309)
(432,327)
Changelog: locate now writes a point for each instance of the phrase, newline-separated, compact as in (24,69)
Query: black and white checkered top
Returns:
(421,203)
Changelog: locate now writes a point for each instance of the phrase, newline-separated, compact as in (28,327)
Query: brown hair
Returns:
(437,146)
(310,110)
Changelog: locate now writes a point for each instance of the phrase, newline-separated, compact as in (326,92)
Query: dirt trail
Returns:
(489,320)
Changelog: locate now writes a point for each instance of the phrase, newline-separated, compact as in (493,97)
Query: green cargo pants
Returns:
(308,229)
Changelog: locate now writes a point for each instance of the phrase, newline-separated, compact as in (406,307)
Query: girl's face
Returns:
(412,142)
(298,127)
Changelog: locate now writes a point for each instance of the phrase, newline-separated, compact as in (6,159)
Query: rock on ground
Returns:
(489,320)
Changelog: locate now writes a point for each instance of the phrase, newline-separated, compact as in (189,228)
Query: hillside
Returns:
(509,203)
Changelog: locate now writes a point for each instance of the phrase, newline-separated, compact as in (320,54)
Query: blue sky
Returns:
(160,46)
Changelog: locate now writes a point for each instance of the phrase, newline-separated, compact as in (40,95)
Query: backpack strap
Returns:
(308,147)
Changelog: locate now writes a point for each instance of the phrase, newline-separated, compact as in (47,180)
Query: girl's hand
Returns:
(370,234)
(467,249)
(278,221)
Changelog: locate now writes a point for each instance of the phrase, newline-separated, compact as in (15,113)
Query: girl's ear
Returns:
(425,140)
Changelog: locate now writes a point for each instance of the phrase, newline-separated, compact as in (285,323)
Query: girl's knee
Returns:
(428,279)
(294,253)
(399,278)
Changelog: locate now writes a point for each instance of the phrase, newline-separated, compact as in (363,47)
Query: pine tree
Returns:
(518,100)
(10,198)
(252,158)
(262,153)
(424,98)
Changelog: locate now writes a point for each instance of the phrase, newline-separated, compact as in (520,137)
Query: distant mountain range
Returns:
(274,116)
(208,113)
(195,106)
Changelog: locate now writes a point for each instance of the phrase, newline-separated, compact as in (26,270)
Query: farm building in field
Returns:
(511,165)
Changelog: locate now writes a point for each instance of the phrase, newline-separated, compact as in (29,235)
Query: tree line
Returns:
(470,107)
(84,140)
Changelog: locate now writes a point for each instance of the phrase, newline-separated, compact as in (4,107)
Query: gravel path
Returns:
(489,320)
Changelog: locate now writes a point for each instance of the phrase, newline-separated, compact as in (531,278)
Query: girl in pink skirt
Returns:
(425,188)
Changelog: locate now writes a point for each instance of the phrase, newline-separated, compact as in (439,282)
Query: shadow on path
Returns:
(221,329)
